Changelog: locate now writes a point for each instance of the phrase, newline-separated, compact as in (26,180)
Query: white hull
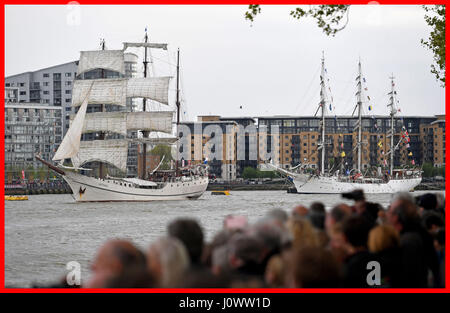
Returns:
(306,184)
(90,189)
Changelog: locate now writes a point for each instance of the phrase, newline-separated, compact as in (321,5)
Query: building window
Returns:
(45,84)
(46,75)
(68,83)
(21,84)
(68,92)
(23,93)
(68,100)
(7,84)
(46,92)
(68,74)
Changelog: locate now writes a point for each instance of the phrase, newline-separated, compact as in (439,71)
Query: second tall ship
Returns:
(322,182)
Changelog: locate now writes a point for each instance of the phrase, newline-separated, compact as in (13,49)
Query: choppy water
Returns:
(47,231)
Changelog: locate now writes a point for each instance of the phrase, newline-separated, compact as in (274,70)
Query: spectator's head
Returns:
(273,237)
(356,231)
(116,260)
(246,254)
(317,215)
(432,221)
(278,217)
(299,211)
(383,237)
(315,267)
(427,202)
(406,196)
(219,240)
(403,215)
(167,260)
(303,233)
(337,214)
(371,211)
(188,231)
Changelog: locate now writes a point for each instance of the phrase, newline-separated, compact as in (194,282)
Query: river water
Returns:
(46,232)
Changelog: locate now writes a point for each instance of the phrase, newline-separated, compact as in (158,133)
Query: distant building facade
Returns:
(298,138)
(205,145)
(51,86)
(30,129)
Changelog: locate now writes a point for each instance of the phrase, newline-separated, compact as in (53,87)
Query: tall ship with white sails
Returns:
(110,146)
(322,182)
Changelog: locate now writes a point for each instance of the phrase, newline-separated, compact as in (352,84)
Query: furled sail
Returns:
(112,151)
(120,122)
(145,45)
(116,90)
(154,88)
(156,140)
(71,142)
(105,59)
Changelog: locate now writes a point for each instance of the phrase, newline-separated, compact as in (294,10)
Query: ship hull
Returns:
(90,189)
(331,185)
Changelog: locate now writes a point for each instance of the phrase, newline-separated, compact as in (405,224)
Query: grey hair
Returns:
(402,196)
(173,257)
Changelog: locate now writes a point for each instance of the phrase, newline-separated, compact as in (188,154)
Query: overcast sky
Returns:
(269,68)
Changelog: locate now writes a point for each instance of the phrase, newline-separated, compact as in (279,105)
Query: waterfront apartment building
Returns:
(433,142)
(210,140)
(298,139)
(51,86)
(30,129)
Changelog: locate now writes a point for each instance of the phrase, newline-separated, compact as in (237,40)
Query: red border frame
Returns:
(200,290)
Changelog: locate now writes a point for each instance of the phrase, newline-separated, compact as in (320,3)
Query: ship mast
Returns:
(101,170)
(178,105)
(392,114)
(359,106)
(144,108)
(322,104)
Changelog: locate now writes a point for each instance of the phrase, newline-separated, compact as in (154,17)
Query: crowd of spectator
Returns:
(309,247)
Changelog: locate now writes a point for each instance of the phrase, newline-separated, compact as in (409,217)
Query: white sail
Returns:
(121,122)
(160,121)
(116,90)
(112,151)
(114,122)
(145,45)
(154,88)
(104,91)
(105,59)
(71,142)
